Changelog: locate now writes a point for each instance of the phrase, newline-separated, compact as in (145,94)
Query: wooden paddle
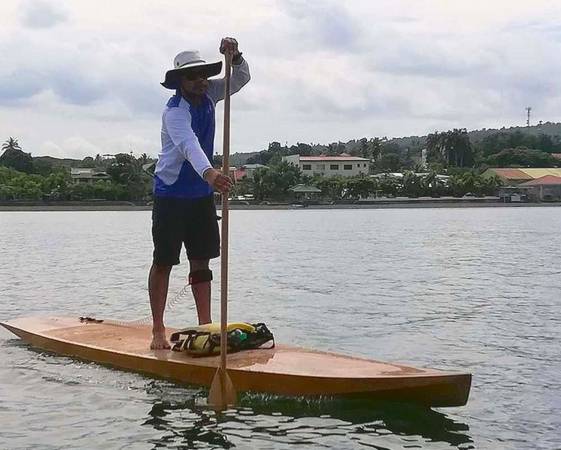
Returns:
(222,392)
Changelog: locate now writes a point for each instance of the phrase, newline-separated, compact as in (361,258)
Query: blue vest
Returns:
(189,184)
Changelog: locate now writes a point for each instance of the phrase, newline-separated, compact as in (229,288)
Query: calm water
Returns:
(469,289)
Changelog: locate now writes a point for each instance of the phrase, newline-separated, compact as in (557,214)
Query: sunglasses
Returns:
(193,75)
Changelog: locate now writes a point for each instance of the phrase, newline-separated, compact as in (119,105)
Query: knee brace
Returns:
(200,276)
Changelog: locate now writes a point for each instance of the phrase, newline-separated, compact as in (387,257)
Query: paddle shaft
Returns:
(225,220)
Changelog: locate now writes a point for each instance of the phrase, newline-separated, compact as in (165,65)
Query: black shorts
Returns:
(192,222)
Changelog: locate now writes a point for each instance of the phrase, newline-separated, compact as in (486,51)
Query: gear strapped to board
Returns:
(204,340)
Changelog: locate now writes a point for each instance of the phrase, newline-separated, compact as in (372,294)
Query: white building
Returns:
(87,176)
(343,165)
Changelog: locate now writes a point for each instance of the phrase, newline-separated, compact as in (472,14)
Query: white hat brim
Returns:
(172,76)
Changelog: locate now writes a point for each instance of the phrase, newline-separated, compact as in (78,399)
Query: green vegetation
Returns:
(14,157)
(450,148)
(15,185)
(272,183)
(455,160)
(496,142)
(521,157)
(25,178)
(58,186)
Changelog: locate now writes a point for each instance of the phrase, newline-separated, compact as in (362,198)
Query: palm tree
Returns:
(434,147)
(451,147)
(259,183)
(11,144)
(14,157)
(143,159)
(375,149)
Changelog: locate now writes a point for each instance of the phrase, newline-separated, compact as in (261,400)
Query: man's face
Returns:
(194,82)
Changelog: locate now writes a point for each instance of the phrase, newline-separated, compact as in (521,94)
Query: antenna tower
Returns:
(528,110)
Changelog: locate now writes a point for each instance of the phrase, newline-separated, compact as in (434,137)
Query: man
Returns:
(184,181)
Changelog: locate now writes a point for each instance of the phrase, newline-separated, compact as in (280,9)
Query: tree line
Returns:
(443,150)
(274,182)
(450,153)
(25,178)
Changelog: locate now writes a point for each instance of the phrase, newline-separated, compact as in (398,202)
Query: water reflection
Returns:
(265,421)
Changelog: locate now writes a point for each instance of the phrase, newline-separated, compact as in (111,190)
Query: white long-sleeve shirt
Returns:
(188,139)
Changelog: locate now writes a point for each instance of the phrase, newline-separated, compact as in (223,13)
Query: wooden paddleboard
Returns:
(284,370)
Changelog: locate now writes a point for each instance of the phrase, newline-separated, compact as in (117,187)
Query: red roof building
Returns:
(548,180)
(546,188)
(510,175)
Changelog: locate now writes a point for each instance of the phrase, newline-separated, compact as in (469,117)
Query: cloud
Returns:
(79,72)
(41,14)
(321,70)
(322,23)
(17,86)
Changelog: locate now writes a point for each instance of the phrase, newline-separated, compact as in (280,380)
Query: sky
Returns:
(82,77)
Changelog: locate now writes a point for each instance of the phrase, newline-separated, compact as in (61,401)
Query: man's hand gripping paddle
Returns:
(222,392)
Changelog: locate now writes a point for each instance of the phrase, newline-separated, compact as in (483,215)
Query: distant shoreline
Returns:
(376,204)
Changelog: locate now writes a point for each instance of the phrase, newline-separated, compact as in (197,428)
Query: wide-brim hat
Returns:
(186,61)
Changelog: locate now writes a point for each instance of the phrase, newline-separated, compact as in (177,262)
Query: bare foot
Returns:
(159,341)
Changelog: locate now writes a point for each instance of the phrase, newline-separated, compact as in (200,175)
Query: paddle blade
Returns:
(222,393)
